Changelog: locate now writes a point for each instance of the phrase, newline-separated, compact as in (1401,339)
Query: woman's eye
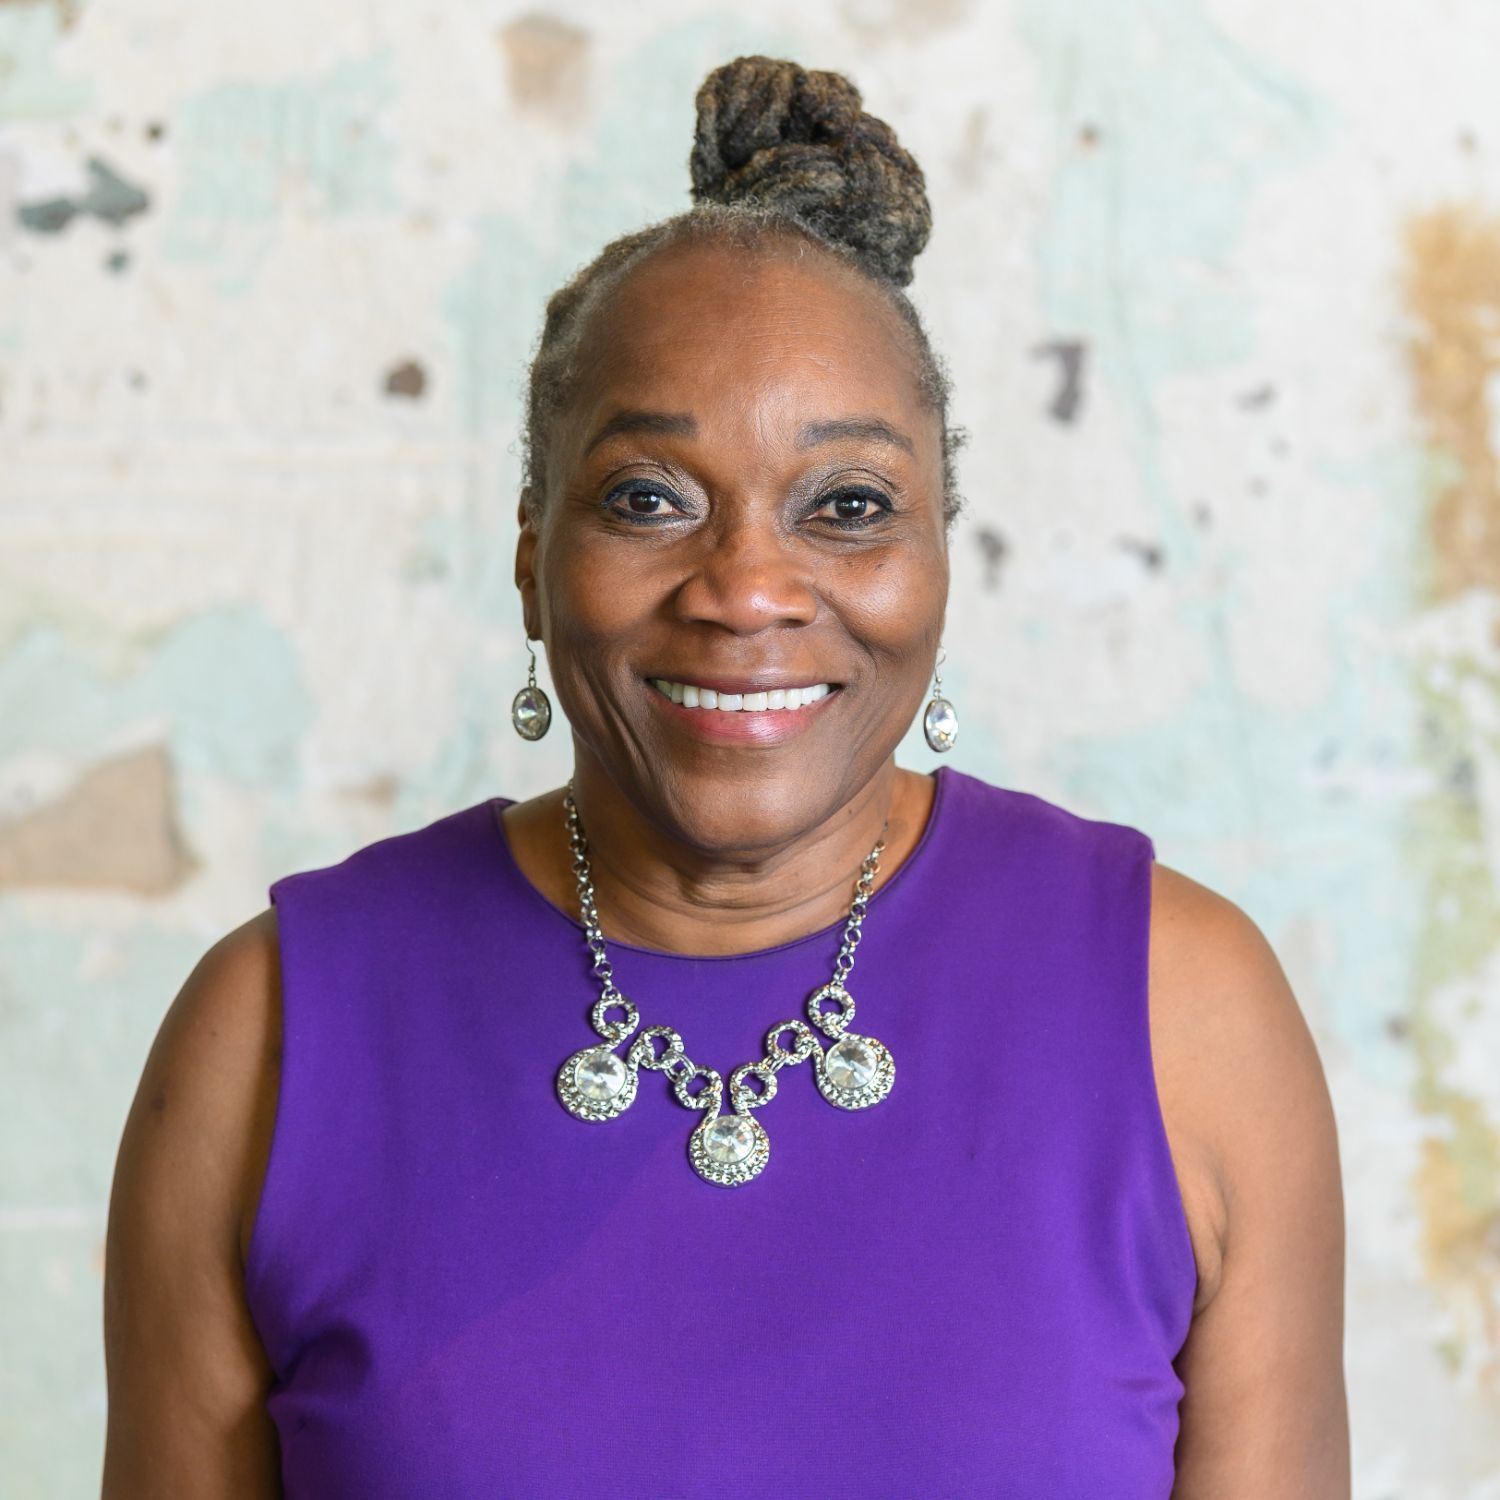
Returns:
(642,503)
(852,508)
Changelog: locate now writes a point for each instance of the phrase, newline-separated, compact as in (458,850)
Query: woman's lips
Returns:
(767,726)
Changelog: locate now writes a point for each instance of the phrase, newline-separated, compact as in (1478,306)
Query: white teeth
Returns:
(691,696)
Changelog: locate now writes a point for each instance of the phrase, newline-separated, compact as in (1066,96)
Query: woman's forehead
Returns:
(708,325)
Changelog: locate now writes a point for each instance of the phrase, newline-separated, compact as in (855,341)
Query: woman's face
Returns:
(745,496)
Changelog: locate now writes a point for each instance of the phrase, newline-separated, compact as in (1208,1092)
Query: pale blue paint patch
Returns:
(72,1046)
(460,773)
(1187,126)
(1129,255)
(52,1415)
(226,682)
(1140,221)
(1306,798)
(495,309)
(241,143)
(637,170)
(634,173)
(71,1052)
(31,88)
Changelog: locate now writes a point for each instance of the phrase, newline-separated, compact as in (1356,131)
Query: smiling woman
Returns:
(1073,1225)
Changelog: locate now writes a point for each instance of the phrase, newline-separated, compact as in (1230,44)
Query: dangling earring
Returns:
(940,722)
(531,711)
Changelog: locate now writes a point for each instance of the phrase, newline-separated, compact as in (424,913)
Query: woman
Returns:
(434,1224)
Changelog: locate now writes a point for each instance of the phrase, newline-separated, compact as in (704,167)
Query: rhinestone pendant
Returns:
(940,724)
(594,1084)
(857,1071)
(729,1149)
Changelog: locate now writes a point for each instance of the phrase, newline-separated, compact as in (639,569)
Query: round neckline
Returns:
(494,805)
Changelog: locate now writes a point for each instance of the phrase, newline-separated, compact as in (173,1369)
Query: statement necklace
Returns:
(594,1084)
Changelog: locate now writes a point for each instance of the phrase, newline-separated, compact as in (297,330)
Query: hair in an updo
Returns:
(780,154)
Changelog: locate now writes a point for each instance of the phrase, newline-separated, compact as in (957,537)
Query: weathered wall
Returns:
(1219,282)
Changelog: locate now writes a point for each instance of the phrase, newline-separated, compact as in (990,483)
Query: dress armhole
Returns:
(1185,1263)
(265,1229)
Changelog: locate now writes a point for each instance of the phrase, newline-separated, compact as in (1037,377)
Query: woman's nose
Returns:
(746,579)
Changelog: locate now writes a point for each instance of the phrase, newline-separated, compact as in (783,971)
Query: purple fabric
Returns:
(975,1287)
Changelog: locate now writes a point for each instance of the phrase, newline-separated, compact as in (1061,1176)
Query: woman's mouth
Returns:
(752,717)
(691,695)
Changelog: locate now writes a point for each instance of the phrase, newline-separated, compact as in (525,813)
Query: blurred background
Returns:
(1219,284)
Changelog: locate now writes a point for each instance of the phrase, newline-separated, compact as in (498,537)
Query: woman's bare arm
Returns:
(187,1376)
(1264,1409)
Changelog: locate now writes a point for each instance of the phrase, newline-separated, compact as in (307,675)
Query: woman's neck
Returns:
(655,891)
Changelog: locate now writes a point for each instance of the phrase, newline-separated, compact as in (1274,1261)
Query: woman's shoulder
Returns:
(1241,1083)
(213,1072)
(1251,1125)
(178,1331)
(1050,829)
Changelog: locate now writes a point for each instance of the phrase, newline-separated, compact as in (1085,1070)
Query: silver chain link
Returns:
(674,1061)
(603,970)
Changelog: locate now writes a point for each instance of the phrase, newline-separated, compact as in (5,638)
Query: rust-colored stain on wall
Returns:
(1452,295)
(545,58)
(67,10)
(114,829)
(877,23)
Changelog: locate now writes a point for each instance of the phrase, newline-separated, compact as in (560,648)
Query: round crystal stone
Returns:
(851,1064)
(940,724)
(729,1139)
(532,713)
(599,1075)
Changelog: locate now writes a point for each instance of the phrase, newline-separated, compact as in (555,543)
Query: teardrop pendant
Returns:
(531,713)
(940,724)
(531,709)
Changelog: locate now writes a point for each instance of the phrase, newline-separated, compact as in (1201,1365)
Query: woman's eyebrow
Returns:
(856,427)
(683,424)
(635,419)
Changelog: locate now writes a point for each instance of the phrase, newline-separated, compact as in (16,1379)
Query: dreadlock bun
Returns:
(774,134)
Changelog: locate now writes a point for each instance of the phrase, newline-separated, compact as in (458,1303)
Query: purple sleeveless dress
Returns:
(976,1287)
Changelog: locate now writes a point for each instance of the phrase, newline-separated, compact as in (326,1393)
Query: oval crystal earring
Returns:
(531,710)
(940,722)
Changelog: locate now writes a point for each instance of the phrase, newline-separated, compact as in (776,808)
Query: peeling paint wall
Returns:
(1219,284)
